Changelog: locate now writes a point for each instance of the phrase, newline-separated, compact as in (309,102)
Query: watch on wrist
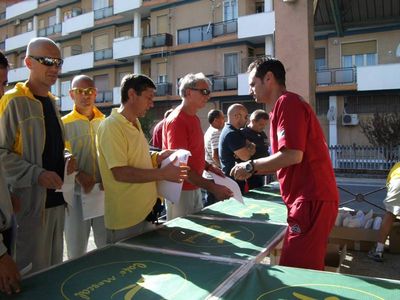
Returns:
(249,166)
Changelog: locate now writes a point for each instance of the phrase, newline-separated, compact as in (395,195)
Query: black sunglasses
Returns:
(48,61)
(204,92)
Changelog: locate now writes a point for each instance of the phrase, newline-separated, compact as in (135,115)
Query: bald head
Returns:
(237,115)
(37,45)
(77,81)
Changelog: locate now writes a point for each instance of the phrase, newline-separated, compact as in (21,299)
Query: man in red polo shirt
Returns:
(182,130)
(301,160)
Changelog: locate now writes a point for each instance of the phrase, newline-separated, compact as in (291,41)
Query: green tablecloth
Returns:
(119,273)
(263,204)
(222,238)
(266,282)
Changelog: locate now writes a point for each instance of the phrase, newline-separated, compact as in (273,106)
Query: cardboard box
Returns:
(335,255)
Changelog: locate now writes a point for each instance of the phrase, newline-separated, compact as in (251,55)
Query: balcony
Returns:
(125,47)
(18,74)
(50,30)
(337,76)
(21,8)
(104,97)
(164,89)
(103,54)
(157,40)
(224,83)
(116,95)
(103,13)
(379,77)
(223,28)
(66,103)
(19,41)
(78,23)
(78,62)
(121,6)
(256,25)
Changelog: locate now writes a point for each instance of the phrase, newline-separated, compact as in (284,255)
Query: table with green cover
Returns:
(225,239)
(260,205)
(122,273)
(275,282)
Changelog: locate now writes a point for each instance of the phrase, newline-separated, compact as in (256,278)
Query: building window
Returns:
(99,4)
(194,34)
(231,64)
(162,72)
(230,10)
(321,104)
(320,60)
(65,87)
(52,20)
(101,82)
(162,24)
(359,54)
(369,104)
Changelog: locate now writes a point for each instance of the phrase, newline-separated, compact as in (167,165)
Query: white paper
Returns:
(172,190)
(230,184)
(68,185)
(25,270)
(93,203)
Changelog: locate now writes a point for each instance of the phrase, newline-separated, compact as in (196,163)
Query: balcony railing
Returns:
(223,28)
(336,76)
(103,54)
(104,96)
(103,13)
(224,83)
(157,40)
(164,89)
(50,30)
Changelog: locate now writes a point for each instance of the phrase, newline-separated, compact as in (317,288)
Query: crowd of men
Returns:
(112,154)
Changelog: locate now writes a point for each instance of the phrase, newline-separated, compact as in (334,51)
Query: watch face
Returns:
(249,167)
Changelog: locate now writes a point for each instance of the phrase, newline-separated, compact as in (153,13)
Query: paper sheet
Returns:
(172,190)
(93,203)
(230,184)
(68,186)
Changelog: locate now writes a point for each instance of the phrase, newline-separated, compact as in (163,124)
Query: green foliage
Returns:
(382,129)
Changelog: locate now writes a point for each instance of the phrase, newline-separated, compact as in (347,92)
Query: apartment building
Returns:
(357,61)
(341,56)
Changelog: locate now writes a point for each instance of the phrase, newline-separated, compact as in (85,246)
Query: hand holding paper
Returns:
(68,186)
(172,190)
(231,184)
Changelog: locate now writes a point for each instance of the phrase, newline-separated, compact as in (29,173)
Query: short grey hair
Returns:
(190,80)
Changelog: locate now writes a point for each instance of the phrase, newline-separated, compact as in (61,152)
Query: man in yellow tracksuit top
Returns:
(32,153)
(81,126)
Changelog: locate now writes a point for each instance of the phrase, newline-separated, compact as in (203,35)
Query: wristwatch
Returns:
(249,166)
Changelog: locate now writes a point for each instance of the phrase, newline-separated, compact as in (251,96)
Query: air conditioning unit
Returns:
(350,119)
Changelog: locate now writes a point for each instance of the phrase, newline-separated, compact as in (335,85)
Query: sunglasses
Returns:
(87,92)
(204,92)
(48,61)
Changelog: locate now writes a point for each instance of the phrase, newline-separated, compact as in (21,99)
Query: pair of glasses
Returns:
(87,92)
(48,61)
(204,92)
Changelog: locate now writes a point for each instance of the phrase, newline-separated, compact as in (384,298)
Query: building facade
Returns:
(346,68)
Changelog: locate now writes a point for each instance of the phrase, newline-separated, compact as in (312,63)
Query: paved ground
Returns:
(356,263)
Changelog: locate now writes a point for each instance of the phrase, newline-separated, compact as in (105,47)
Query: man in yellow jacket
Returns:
(81,126)
(392,205)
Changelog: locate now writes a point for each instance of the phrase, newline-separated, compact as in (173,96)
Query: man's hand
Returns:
(9,275)
(50,180)
(251,147)
(163,155)
(239,171)
(221,192)
(72,165)
(86,181)
(215,170)
(175,173)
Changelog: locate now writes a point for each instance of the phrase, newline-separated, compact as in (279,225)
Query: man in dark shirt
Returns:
(254,132)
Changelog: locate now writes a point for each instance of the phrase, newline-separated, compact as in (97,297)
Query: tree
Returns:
(383,130)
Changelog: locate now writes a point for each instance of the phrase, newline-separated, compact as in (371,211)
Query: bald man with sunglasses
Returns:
(32,152)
